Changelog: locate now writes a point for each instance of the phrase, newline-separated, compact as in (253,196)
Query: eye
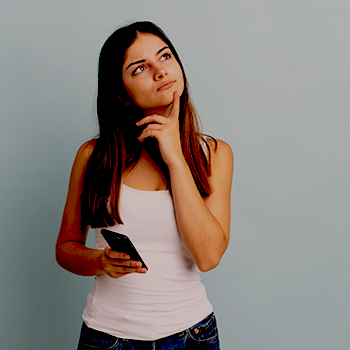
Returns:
(138,70)
(165,56)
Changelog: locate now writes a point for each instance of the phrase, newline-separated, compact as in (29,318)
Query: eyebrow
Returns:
(141,61)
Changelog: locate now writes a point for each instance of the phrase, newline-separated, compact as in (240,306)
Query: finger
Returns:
(125,270)
(119,271)
(176,106)
(119,274)
(154,118)
(126,263)
(149,133)
(112,254)
(111,269)
(151,130)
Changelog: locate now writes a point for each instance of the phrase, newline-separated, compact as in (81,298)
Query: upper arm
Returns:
(71,226)
(219,201)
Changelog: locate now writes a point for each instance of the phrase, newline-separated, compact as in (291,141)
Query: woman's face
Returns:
(151,74)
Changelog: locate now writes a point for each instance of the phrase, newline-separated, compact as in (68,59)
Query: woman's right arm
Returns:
(71,252)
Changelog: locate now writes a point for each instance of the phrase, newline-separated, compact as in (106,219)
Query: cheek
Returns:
(138,94)
(180,78)
(133,90)
(182,84)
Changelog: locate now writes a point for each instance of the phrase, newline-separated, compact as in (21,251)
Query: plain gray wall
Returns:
(269,77)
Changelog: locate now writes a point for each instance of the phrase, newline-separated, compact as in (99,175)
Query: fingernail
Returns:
(126,256)
(138,264)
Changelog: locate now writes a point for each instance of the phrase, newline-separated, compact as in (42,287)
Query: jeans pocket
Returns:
(92,339)
(205,331)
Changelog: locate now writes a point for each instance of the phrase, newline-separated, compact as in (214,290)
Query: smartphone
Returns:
(121,243)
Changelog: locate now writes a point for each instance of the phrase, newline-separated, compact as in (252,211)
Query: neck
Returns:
(163,111)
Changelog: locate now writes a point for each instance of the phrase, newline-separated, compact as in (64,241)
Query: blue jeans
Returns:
(202,336)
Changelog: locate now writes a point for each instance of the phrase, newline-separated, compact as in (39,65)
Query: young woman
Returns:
(151,175)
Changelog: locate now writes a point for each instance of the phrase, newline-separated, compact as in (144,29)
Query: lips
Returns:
(167,85)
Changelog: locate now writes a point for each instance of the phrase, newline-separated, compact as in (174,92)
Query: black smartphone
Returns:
(121,243)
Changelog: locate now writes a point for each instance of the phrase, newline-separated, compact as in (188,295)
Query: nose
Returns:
(159,72)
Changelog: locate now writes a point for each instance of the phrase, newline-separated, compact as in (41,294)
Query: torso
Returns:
(169,297)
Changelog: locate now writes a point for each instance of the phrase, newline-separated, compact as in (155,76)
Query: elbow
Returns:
(208,265)
(61,254)
(210,261)
(58,253)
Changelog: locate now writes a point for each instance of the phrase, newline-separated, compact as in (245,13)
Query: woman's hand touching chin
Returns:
(166,131)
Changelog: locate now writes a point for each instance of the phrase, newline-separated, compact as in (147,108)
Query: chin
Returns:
(164,103)
(160,103)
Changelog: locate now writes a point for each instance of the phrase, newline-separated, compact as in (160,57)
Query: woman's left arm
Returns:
(204,224)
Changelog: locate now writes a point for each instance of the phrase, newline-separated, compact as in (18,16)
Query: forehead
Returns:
(145,45)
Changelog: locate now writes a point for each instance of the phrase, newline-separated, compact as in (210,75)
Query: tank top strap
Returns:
(203,143)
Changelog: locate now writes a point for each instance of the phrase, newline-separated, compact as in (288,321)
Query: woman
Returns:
(152,176)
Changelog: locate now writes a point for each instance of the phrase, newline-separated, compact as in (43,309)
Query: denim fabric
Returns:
(202,336)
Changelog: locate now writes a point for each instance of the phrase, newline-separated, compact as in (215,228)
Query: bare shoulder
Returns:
(85,150)
(217,145)
(221,153)
(82,158)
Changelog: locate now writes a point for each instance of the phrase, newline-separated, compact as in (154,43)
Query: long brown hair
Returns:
(116,147)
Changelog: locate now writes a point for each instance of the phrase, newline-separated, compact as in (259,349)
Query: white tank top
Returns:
(169,298)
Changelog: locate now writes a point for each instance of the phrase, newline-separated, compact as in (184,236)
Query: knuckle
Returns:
(105,257)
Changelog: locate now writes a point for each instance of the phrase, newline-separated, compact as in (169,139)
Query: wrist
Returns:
(177,164)
(100,270)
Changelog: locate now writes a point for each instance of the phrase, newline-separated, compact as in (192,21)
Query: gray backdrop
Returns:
(271,78)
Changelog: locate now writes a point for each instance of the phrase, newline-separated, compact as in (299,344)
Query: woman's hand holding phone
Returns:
(117,264)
